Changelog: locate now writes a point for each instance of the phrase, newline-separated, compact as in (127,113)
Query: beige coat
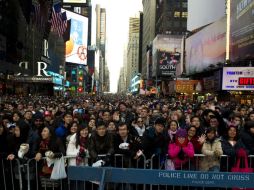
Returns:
(210,159)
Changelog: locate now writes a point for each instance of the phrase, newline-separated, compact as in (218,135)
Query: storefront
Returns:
(24,85)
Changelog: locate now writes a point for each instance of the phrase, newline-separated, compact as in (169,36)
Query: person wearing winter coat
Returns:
(19,147)
(62,129)
(155,141)
(181,150)
(246,140)
(50,147)
(126,145)
(78,146)
(125,115)
(212,150)
(197,141)
(101,143)
(228,144)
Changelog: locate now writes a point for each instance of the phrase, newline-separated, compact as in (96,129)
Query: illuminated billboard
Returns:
(241,29)
(206,47)
(74,1)
(76,47)
(238,78)
(166,55)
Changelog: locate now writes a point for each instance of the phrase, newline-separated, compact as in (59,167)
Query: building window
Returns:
(176,24)
(177,14)
(185,4)
(184,14)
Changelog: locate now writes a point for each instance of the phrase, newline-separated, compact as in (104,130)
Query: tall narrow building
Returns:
(101,44)
(149,12)
(133,49)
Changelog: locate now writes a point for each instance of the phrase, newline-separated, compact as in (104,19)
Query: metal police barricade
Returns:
(162,177)
(37,180)
(120,161)
(11,174)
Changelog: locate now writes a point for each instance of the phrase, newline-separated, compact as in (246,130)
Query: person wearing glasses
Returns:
(140,127)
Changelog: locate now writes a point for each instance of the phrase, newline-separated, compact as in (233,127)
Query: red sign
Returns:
(246,81)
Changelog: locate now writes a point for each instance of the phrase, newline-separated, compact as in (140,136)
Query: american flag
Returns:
(59,20)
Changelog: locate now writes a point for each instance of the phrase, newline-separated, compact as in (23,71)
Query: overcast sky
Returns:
(117,13)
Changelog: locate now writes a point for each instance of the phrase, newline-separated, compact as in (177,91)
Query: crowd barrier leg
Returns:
(3,185)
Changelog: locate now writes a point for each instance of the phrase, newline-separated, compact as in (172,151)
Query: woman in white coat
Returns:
(77,147)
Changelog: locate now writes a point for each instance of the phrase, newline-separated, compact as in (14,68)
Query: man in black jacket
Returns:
(127,145)
(155,141)
(101,143)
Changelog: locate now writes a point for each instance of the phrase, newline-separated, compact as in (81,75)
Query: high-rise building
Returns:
(122,81)
(171,17)
(101,43)
(149,10)
(133,49)
(106,85)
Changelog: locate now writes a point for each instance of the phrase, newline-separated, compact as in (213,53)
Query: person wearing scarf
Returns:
(212,150)
(181,150)
(49,147)
(78,146)
(172,129)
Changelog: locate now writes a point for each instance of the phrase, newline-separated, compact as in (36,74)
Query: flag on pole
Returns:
(66,34)
(59,20)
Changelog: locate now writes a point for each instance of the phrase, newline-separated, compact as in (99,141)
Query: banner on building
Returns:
(206,47)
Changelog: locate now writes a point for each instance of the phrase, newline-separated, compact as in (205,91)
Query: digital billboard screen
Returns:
(238,78)
(206,47)
(76,47)
(241,29)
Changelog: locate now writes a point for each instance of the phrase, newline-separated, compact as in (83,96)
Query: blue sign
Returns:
(58,81)
(163,177)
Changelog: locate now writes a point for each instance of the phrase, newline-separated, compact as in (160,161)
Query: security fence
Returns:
(123,174)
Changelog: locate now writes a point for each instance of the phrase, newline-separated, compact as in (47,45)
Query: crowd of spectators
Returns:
(90,126)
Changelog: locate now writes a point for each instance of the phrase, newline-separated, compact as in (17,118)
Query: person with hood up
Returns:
(181,150)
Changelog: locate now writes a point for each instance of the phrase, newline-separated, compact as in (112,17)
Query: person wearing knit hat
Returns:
(181,150)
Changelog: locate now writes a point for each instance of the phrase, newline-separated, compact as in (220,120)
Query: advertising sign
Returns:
(206,47)
(166,54)
(76,47)
(242,29)
(188,86)
(166,66)
(238,78)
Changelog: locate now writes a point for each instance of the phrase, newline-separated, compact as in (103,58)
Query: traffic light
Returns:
(80,89)
(80,79)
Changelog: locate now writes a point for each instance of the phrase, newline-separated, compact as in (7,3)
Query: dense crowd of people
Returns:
(90,126)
